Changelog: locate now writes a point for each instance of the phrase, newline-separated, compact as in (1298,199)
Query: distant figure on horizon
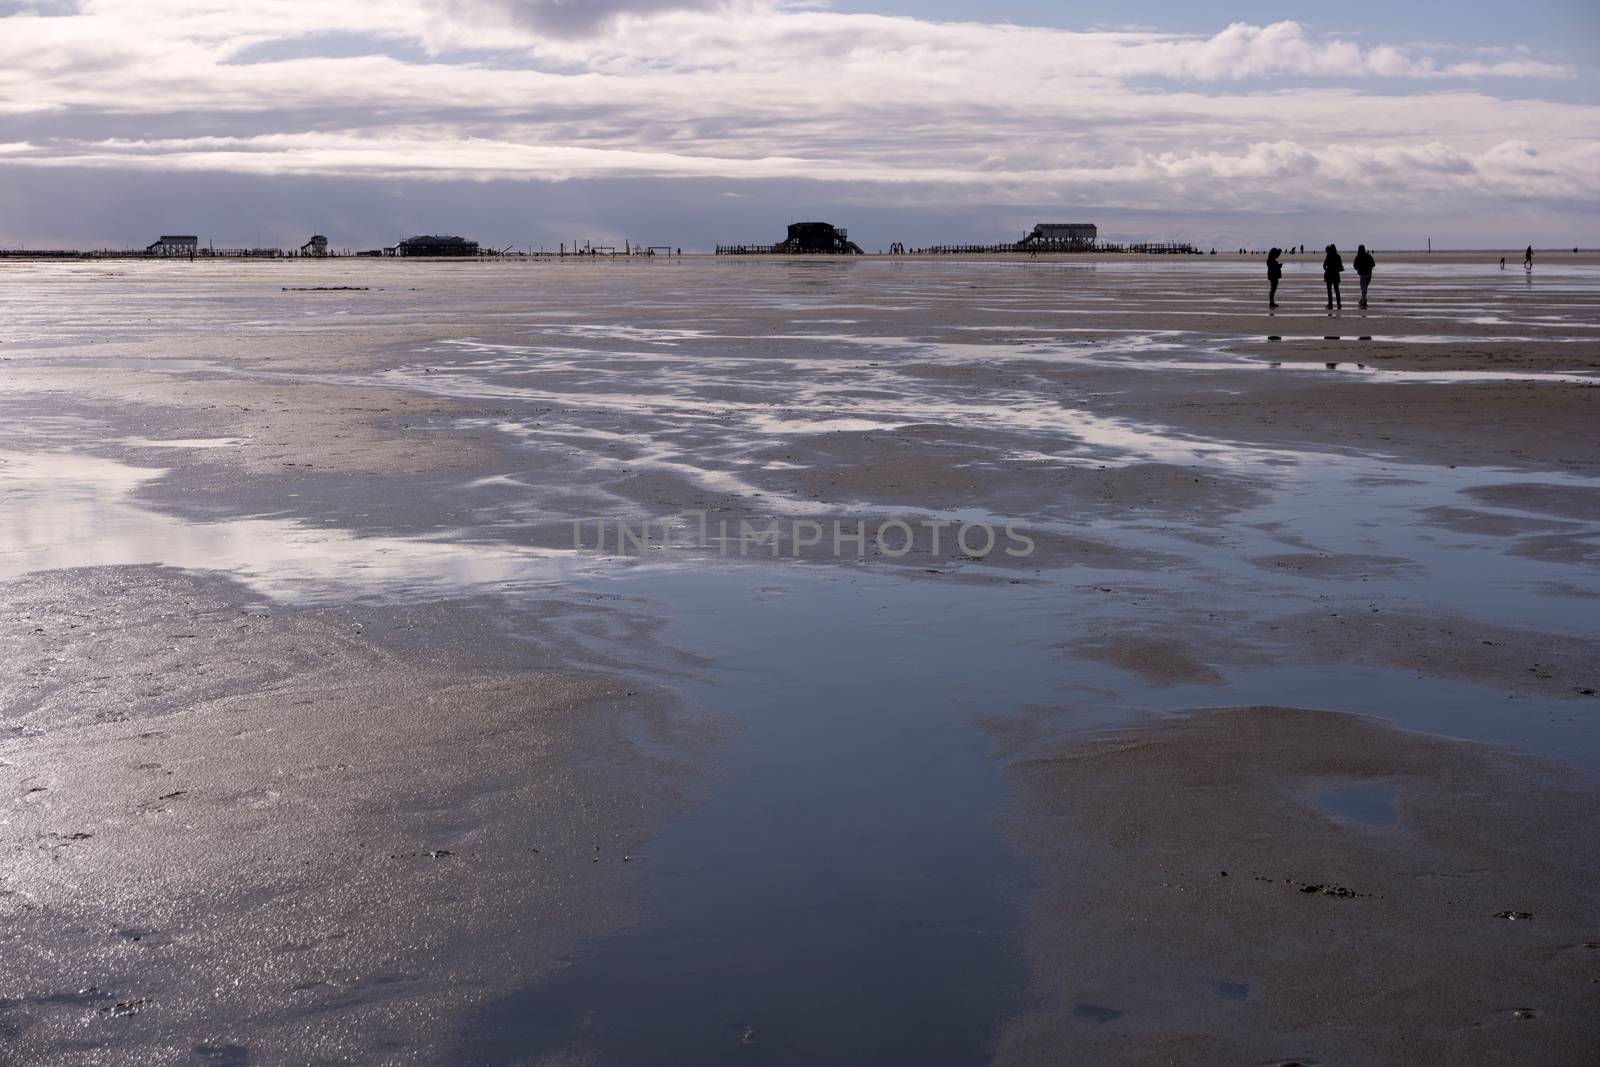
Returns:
(1364,264)
(1274,275)
(1502,262)
(1332,267)
(1527,259)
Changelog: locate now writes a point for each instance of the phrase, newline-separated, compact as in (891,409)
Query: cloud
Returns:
(760,91)
(1242,51)
(1276,176)
(565,18)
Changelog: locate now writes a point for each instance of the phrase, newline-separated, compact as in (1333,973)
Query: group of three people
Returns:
(1332,267)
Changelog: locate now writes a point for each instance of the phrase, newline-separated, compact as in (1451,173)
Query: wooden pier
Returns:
(1023,248)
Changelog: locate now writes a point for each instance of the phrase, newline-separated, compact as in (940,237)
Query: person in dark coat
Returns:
(1274,275)
(1332,267)
(1364,264)
(1527,259)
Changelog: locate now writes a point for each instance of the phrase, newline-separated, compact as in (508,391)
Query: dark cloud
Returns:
(45,8)
(89,208)
(573,18)
(94,208)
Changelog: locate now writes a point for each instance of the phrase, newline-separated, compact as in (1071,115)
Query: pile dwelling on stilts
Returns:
(435,246)
(1058,237)
(805,238)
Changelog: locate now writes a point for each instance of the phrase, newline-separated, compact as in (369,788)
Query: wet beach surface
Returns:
(323,743)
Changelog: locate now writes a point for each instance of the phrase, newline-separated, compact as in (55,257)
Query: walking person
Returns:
(1364,264)
(1332,267)
(1274,275)
(1527,259)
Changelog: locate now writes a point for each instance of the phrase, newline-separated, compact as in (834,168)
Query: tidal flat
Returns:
(328,735)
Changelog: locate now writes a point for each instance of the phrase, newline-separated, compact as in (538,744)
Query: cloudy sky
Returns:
(688,122)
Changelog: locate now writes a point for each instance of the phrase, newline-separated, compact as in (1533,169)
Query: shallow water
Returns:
(848,861)
(848,864)
(1369,804)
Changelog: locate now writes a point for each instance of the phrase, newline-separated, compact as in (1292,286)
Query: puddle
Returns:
(1369,804)
(194,442)
(849,864)
(1096,1013)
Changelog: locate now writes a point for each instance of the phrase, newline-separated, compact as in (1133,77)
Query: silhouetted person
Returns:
(1332,267)
(1527,259)
(1502,262)
(1274,275)
(1364,264)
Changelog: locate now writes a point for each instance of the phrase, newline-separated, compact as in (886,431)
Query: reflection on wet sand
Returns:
(75,510)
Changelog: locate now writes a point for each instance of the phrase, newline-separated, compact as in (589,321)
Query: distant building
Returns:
(1062,235)
(818,237)
(317,246)
(173,245)
(437,246)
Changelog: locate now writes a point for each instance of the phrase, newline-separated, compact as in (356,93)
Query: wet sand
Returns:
(277,800)
(247,831)
(1272,885)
